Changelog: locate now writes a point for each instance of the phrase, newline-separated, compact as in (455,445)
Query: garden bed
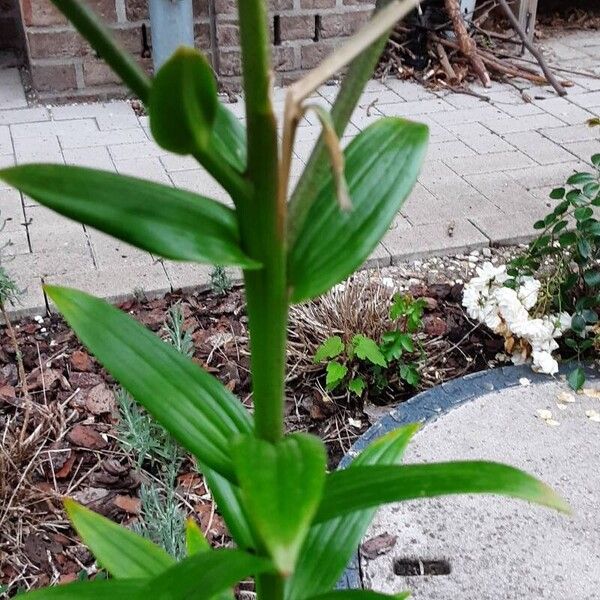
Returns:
(74,440)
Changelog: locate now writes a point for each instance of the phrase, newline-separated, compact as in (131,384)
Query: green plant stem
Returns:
(352,86)
(262,224)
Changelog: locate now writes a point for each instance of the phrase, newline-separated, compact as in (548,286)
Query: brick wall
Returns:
(63,64)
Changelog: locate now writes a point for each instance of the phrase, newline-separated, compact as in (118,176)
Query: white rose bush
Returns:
(509,312)
(552,289)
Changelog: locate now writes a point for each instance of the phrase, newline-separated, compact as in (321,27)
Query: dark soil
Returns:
(69,445)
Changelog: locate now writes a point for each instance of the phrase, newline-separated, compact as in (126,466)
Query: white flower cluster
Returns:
(506,312)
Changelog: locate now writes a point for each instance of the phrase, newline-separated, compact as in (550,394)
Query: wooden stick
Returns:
(466,44)
(560,90)
(450,73)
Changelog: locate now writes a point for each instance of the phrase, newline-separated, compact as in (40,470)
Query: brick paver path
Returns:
(488,171)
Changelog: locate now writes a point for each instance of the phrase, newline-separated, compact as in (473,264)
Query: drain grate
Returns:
(408,567)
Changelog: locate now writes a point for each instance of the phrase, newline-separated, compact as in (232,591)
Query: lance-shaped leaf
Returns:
(195,542)
(382,164)
(365,487)
(229,139)
(228,499)
(163,220)
(360,595)
(183,103)
(123,553)
(333,543)
(122,589)
(206,574)
(281,487)
(192,405)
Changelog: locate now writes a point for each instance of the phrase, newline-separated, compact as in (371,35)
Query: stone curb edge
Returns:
(429,406)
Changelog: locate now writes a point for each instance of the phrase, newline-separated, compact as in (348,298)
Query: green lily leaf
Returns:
(228,498)
(382,165)
(333,542)
(183,103)
(195,542)
(200,413)
(281,487)
(163,220)
(122,589)
(364,487)
(205,575)
(123,553)
(229,139)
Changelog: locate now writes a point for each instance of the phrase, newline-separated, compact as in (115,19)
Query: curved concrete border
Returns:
(431,405)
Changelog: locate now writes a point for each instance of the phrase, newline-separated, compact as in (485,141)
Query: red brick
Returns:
(41,13)
(343,24)
(225,7)
(53,78)
(137,10)
(58,44)
(97,72)
(279,5)
(284,58)
(200,8)
(300,27)
(228,34)
(202,36)
(355,2)
(230,63)
(317,4)
(313,54)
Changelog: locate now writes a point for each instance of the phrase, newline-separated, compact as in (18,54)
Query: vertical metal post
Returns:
(172,23)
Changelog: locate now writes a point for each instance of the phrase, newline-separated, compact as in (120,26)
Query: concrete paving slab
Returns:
(498,548)
(11,89)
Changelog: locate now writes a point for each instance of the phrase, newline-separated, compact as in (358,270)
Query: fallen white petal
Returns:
(566,397)
(593,415)
(524,381)
(561,406)
(545,414)
(552,423)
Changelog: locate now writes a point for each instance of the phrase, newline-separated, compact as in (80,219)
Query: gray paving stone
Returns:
(200,182)
(79,127)
(140,148)
(409,90)
(527,123)
(11,89)
(380,257)
(572,133)
(108,251)
(44,149)
(93,158)
(117,284)
(176,162)
(12,215)
(6,146)
(113,139)
(450,149)
(489,163)
(417,107)
(564,109)
(590,101)
(483,114)
(544,175)
(434,239)
(488,143)
(508,195)
(538,147)
(520,231)
(146,168)
(583,150)
(15,243)
(23,115)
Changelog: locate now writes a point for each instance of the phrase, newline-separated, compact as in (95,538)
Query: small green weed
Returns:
(220,282)
(366,364)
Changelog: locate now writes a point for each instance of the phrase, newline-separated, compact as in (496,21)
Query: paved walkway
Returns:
(488,172)
(494,548)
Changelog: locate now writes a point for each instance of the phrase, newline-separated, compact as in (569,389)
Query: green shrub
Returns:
(564,256)
(295,525)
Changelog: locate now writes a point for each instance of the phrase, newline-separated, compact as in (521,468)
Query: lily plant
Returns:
(294,525)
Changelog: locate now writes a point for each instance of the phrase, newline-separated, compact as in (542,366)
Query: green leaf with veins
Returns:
(357,386)
(335,374)
(366,349)
(330,348)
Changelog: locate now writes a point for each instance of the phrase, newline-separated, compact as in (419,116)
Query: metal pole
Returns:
(172,23)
